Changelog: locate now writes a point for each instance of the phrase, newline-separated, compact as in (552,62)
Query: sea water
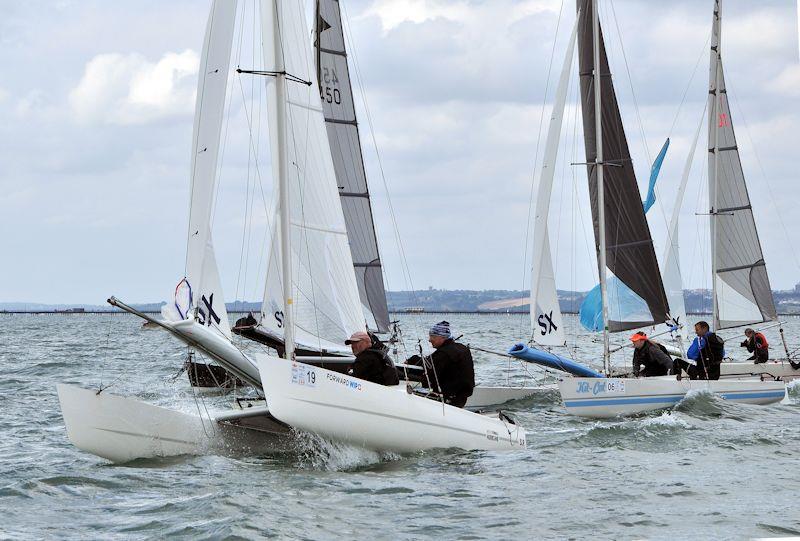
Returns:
(709,469)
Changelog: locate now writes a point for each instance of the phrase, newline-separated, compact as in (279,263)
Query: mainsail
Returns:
(742,292)
(546,319)
(630,254)
(325,299)
(340,117)
(623,303)
(208,304)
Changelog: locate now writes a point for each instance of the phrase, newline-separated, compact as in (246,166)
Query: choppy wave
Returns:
(317,452)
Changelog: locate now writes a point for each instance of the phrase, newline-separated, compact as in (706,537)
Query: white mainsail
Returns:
(742,292)
(208,303)
(546,320)
(325,299)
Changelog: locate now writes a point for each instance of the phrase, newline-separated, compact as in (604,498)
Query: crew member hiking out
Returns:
(756,343)
(372,360)
(451,371)
(707,350)
(652,356)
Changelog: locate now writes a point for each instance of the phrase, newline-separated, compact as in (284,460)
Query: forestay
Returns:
(741,284)
(340,118)
(546,320)
(208,303)
(630,255)
(326,303)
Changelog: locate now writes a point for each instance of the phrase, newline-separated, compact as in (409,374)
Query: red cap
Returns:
(638,336)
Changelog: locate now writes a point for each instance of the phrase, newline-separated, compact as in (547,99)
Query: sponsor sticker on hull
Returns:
(352,384)
(601,387)
(304,375)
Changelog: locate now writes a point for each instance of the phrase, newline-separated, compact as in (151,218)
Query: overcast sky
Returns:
(97,101)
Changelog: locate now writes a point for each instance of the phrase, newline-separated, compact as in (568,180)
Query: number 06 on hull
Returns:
(613,397)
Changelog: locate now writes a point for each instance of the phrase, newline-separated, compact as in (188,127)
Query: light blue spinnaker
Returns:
(654,171)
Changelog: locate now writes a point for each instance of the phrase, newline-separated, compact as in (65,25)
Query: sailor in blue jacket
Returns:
(707,350)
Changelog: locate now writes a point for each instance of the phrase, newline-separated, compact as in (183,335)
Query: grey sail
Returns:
(340,117)
(630,254)
(741,286)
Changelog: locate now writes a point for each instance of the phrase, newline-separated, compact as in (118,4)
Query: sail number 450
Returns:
(330,94)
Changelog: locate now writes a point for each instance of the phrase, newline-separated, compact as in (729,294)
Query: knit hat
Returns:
(441,329)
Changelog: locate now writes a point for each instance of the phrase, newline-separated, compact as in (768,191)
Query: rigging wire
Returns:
(764,176)
(703,52)
(346,143)
(630,83)
(405,270)
(251,152)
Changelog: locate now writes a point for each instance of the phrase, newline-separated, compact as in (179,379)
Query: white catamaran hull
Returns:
(775,369)
(484,397)
(602,398)
(121,429)
(373,416)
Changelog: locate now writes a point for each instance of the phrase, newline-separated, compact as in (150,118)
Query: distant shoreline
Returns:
(396,312)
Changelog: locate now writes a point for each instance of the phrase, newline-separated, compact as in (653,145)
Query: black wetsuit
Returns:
(373,364)
(453,373)
(654,357)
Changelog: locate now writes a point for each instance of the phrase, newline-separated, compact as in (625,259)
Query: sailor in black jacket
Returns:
(372,360)
(654,357)
(451,370)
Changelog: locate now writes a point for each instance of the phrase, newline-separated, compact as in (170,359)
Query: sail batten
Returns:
(338,106)
(630,255)
(742,292)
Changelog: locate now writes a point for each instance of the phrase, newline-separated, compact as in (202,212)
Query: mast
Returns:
(283,186)
(598,126)
(311,298)
(714,95)
(317,43)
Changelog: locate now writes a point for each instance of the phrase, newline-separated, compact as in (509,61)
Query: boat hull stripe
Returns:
(668,399)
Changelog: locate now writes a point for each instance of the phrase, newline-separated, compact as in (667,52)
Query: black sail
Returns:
(340,117)
(630,255)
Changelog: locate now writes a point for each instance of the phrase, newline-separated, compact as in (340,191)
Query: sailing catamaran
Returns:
(339,110)
(316,307)
(123,428)
(624,245)
(311,248)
